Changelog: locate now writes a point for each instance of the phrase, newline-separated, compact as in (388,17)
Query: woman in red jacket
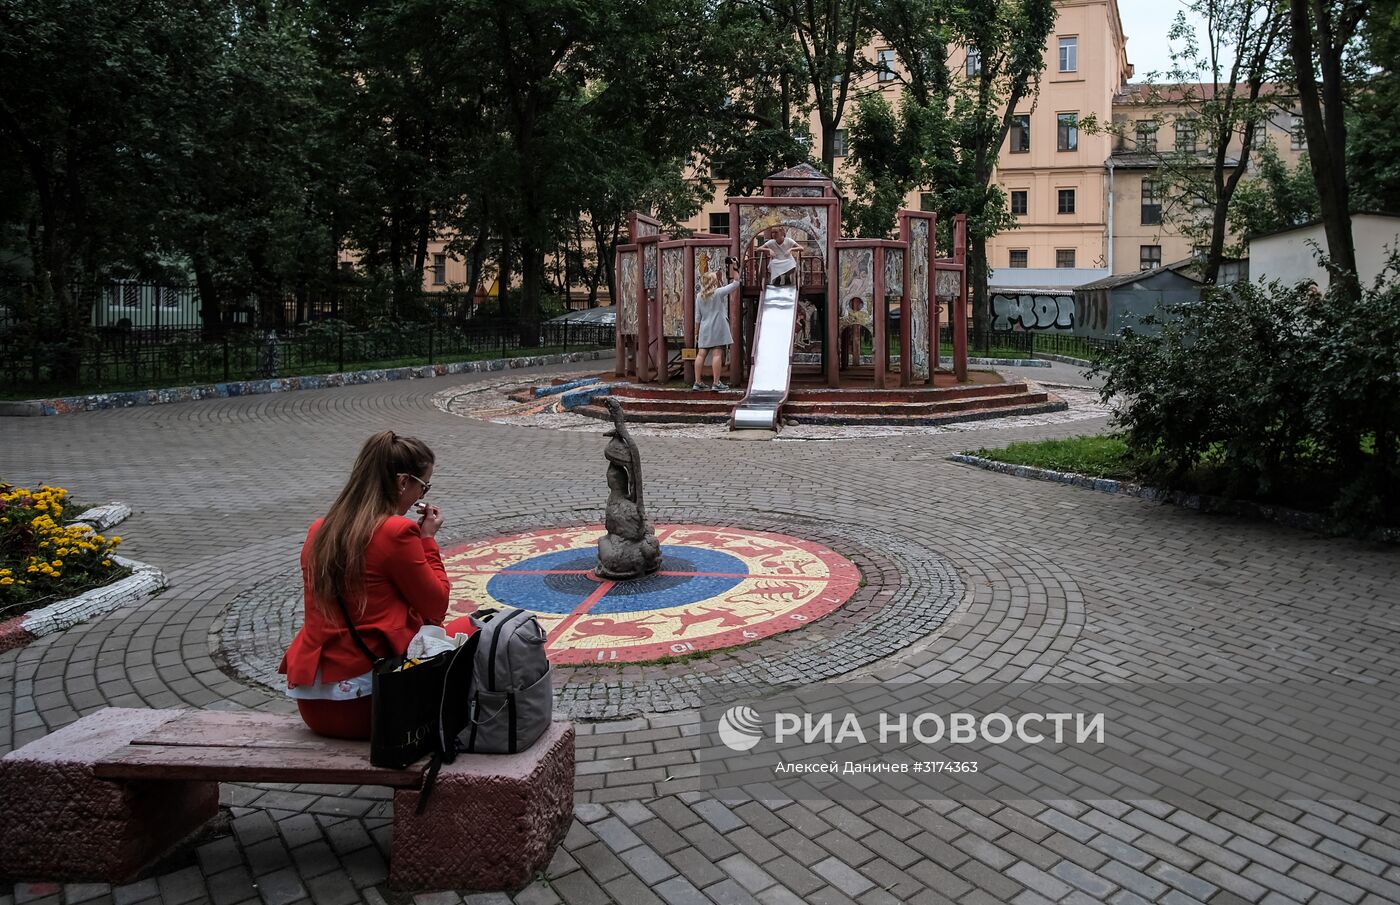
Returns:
(387,571)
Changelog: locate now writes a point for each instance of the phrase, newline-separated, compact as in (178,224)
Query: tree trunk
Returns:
(504,277)
(1324,124)
(977,283)
(532,277)
(210,311)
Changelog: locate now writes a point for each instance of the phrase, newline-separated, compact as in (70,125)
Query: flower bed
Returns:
(44,558)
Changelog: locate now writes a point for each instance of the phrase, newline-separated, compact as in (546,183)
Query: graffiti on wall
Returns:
(1032,311)
(627,292)
(673,292)
(919,253)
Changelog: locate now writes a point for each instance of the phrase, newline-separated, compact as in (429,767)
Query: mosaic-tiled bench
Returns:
(103,798)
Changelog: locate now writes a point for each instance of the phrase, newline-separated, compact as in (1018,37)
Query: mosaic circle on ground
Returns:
(717,587)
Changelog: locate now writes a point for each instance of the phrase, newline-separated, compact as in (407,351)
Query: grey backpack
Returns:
(512,696)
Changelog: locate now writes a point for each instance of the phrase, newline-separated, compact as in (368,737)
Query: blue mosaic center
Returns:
(558,582)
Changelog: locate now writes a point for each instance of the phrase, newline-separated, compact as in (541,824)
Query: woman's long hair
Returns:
(337,568)
(709,282)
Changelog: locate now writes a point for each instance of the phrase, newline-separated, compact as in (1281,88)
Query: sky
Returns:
(1146,23)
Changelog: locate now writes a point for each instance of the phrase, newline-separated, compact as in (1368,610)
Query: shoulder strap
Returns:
(350,624)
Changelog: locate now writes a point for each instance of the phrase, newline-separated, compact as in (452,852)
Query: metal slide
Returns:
(772,361)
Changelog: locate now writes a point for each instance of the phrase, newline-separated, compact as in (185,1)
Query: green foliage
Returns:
(1099,456)
(1373,143)
(1275,389)
(1277,198)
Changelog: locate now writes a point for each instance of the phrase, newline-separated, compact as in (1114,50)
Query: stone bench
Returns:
(104,798)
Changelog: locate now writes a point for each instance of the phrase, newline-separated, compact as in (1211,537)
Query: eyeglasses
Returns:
(427,485)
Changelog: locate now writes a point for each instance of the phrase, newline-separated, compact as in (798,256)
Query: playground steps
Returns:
(909,406)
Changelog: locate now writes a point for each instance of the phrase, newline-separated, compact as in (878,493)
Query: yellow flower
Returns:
(7,580)
(57,563)
(106,562)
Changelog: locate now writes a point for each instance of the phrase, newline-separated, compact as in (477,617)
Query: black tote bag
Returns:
(406,706)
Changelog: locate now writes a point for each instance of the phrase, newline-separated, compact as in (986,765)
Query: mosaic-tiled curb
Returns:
(947,363)
(1066,360)
(143,581)
(69,404)
(1293,518)
(100,518)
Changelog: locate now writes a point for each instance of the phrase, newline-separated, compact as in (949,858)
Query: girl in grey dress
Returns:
(712,334)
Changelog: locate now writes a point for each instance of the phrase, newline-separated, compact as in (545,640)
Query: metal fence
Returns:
(147,335)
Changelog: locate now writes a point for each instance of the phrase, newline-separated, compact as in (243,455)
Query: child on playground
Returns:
(782,266)
(712,334)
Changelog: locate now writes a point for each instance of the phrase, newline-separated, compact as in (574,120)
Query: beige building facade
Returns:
(1088,203)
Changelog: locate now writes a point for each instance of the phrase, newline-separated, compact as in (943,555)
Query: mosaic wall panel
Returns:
(894,271)
(919,252)
(798,191)
(706,260)
(627,288)
(809,221)
(673,292)
(948,286)
(647,229)
(649,266)
(856,288)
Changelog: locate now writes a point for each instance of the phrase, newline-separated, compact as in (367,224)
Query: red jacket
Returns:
(406,587)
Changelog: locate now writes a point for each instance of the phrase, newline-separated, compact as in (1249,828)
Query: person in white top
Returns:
(712,334)
(782,265)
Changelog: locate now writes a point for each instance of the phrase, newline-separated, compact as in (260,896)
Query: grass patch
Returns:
(1098,456)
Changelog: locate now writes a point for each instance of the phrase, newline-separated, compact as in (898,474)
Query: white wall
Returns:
(1291,256)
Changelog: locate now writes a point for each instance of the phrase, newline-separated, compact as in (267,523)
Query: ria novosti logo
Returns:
(740,728)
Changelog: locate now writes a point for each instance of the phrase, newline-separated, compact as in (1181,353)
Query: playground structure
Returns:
(807,339)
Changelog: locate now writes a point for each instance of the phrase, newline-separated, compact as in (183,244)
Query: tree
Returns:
(830,37)
(1322,34)
(1277,198)
(81,119)
(1373,143)
(1222,86)
(953,127)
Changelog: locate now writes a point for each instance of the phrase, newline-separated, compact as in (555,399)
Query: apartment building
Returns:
(1086,202)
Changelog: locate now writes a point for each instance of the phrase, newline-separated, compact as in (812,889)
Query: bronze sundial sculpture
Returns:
(630,548)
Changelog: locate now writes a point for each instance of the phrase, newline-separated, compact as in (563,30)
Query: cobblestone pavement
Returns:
(1059,584)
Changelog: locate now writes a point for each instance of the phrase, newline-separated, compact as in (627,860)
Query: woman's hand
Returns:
(431,521)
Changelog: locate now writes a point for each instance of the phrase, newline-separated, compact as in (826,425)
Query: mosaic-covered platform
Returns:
(717,588)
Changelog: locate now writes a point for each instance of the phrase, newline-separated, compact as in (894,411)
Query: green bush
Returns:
(1277,393)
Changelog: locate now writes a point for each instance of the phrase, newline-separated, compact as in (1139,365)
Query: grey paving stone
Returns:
(281,888)
(615,834)
(679,891)
(647,864)
(842,876)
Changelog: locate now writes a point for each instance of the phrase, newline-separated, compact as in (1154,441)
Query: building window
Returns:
(1020,133)
(1149,257)
(886,66)
(974,61)
(439,270)
(1146,135)
(719,223)
(1297,135)
(1018,202)
(1151,203)
(1261,132)
(1064,258)
(1067,136)
(838,143)
(1069,54)
(1186,135)
(1066,201)
(1020,258)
